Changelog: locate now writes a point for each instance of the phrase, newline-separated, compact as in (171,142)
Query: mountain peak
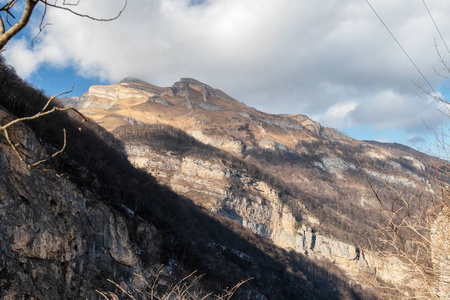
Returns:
(192,81)
(186,82)
(133,80)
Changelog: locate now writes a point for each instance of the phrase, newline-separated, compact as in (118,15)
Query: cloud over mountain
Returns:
(334,61)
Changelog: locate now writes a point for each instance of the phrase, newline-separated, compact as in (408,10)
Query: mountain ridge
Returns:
(223,188)
(102,219)
(310,182)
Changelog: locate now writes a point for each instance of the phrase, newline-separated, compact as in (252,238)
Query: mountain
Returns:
(303,186)
(86,220)
(190,179)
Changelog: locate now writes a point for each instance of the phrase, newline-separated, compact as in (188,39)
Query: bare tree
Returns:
(43,112)
(416,235)
(9,26)
(417,231)
(185,289)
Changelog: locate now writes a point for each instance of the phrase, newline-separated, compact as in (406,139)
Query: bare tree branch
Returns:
(7,35)
(41,28)
(43,112)
(85,15)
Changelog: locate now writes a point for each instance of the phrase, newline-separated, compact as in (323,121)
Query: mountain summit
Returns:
(194,106)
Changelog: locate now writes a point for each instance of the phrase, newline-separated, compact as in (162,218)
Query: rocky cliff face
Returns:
(58,241)
(256,205)
(285,177)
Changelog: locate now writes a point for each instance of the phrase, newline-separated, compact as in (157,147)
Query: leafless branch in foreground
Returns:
(43,112)
(30,5)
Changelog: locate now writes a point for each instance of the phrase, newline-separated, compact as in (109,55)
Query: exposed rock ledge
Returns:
(258,207)
(234,146)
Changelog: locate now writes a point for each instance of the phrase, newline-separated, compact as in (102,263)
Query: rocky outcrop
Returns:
(127,93)
(220,188)
(159,100)
(271,145)
(255,205)
(234,146)
(212,107)
(59,242)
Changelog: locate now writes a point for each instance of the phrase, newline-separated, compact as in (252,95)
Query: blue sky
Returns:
(335,63)
(55,80)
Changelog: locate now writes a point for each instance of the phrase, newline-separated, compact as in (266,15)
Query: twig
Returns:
(43,112)
(85,15)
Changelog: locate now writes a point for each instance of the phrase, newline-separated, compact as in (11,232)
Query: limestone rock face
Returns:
(271,145)
(220,188)
(255,205)
(324,171)
(58,242)
(231,145)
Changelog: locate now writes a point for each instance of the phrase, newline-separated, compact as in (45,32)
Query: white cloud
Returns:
(21,57)
(388,110)
(337,116)
(333,61)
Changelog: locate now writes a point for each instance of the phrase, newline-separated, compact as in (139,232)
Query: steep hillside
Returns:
(285,177)
(94,217)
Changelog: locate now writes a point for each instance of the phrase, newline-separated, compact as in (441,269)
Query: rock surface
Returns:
(62,243)
(255,205)
(322,172)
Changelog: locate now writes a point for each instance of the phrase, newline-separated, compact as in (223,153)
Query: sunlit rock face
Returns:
(257,206)
(287,178)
